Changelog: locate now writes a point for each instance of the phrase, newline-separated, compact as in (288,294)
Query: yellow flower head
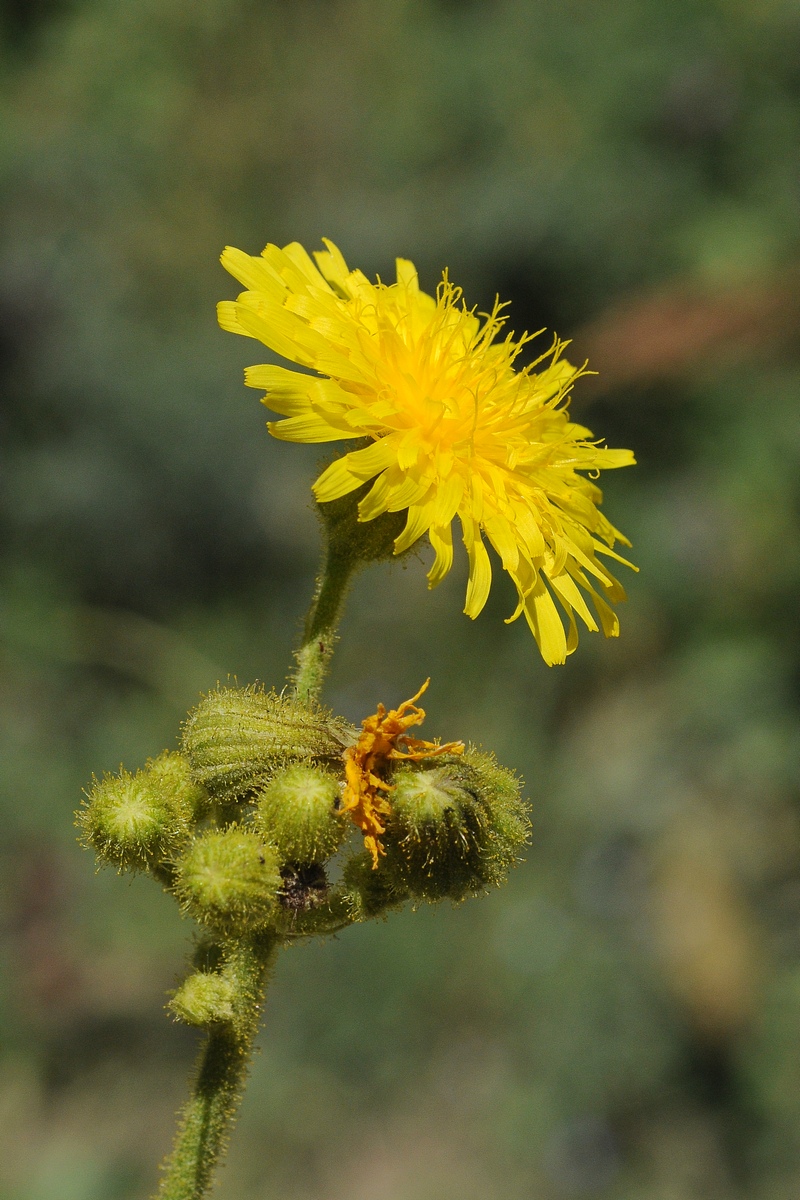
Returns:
(453,429)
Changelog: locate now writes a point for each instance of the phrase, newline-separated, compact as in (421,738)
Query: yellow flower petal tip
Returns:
(454,429)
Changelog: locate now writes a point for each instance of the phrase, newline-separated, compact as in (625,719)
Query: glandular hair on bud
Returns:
(171,774)
(228,880)
(298,812)
(375,891)
(237,738)
(137,822)
(456,827)
(204,999)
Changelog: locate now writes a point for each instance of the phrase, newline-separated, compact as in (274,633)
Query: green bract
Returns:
(455,828)
(378,891)
(237,738)
(229,880)
(204,999)
(298,813)
(137,822)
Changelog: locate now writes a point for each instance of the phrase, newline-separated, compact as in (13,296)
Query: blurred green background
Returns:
(621,1021)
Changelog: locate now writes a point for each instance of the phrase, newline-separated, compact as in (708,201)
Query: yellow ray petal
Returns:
(609,460)
(371,459)
(442,541)
(418,522)
(407,490)
(335,481)
(608,618)
(276,328)
(287,391)
(567,591)
(609,553)
(290,406)
(480,571)
(448,497)
(501,535)
(545,624)
(256,274)
(333,266)
(277,379)
(407,274)
(228,319)
(391,492)
(302,261)
(529,531)
(306,428)
(377,498)
(572,634)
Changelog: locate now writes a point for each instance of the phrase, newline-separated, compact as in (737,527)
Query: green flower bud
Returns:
(171,773)
(298,812)
(238,737)
(455,828)
(136,822)
(204,999)
(375,892)
(228,880)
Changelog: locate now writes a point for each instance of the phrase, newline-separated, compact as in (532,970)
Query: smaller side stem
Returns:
(319,634)
(223,1064)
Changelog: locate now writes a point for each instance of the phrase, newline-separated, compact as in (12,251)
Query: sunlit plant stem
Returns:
(319,633)
(220,1075)
(225,1058)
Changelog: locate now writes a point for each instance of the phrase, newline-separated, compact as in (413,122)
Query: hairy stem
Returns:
(319,634)
(221,1070)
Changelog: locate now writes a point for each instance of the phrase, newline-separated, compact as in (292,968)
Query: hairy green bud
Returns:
(298,813)
(137,822)
(455,829)
(228,880)
(204,999)
(375,892)
(238,737)
(171,773)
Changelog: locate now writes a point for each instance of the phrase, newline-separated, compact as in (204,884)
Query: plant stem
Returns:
(319,634)
(220,1074)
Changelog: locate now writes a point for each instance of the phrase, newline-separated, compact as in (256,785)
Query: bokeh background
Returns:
(622,1021)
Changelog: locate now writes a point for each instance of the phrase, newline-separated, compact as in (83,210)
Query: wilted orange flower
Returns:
(383,739)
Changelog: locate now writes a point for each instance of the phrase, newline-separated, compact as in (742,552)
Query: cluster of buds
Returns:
(249,827)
